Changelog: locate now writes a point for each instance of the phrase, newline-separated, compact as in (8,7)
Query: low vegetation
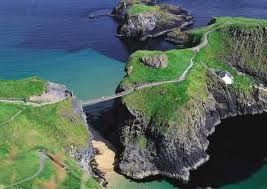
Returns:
(142,142)
(26,130)
(20,89)
(161,103)
(137,9)
(178,61)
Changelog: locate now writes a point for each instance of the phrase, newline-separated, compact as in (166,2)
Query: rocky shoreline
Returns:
(148,19)
(144,149)
(182,147)
(174,155)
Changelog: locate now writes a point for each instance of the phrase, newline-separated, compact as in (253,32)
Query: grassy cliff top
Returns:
(20,89)
(237,22)
(178,61)
(137,9)
(25,130)
(162,103)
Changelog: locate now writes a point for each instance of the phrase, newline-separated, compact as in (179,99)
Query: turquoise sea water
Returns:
(88,73)
(55,40)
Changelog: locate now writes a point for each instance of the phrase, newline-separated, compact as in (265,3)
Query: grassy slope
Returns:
(158,101)
(162,102)
(178,61)
(54,128)
(22,88)
(141,8)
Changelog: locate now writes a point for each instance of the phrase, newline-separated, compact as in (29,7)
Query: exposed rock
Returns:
(182,39)
(173,149)
(82,155)
(140,25)
(55,92)
(150,23)
(245,43)
(85,157)
(129,70)
(183,147)
(156,60)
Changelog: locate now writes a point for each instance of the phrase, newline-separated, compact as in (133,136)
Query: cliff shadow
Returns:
(100,121)
(237,150)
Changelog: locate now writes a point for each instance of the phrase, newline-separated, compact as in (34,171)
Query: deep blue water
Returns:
(54,39)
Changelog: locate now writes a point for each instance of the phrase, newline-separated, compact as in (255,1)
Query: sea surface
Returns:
(55,40)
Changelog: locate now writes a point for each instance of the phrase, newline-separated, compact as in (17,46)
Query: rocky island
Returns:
(163,130)
(141,19)
(45,141)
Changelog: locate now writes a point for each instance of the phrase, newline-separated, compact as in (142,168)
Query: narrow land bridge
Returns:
(195,49)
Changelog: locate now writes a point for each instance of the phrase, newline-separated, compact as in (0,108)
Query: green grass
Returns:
(158,102)
(178,61)
(137,9)
(212,56)
(238,22)
(45,126)
(169,103)
(7,112)
(54,128)
(20,89)
(142,142)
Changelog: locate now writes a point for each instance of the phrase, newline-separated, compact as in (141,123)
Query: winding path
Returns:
(195,49)
(28,103)
(12,118)
(42,157)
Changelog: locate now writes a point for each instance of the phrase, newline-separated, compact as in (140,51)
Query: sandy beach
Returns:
(106,159)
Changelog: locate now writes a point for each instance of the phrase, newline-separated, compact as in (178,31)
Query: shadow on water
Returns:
(237,150)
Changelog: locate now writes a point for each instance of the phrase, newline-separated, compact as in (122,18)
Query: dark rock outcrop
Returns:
(173,149)
(83,156)
(156,60)
(182,39)
(247,50)
(150,23)
(173,153)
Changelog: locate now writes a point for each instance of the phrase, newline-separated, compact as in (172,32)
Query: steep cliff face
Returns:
(248,50)
(173,146)
(83,156)
(140,25)
(173,153)
(147,19)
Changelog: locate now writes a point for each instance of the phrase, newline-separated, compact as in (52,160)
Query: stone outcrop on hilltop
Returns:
(155,60)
